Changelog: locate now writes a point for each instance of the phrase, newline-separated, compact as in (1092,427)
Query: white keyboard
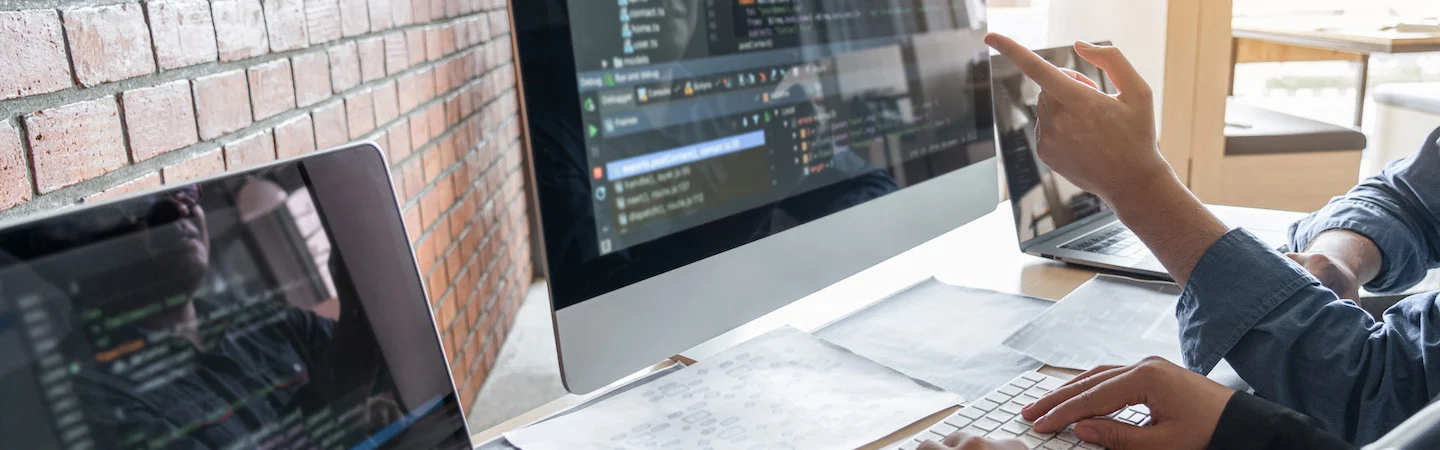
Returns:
(997,416)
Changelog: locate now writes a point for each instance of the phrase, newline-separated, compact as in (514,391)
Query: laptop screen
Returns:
(1043,201)
(245,312)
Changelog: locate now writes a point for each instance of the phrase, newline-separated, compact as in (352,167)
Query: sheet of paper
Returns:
(784,389)
(949,336)
(1107,320)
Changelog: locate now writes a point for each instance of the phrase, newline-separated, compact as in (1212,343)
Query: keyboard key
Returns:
(1067,436)
(1036,392)
(1022,383)
(1039,435)
(971,413)
(1000,434)
(911,445)
(1089,446)
(1057,445)
(1142,409)
(1049,384)
(1009,390)
(986,424)
(1032,376)
(1015,427)
(998,397)
(999,416)
(985,405)
(1031,441)
(1012,408)
(974,430)
(959,422)
(934,435)
(944,429)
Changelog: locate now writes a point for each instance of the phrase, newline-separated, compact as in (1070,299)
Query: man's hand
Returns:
(1184,406)
(1104,144)
(1331,272)
(962,441)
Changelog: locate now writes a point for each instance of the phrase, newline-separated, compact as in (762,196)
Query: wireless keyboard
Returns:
(997,416)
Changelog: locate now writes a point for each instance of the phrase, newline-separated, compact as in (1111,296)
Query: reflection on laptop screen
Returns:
(1043,201)
(212,316)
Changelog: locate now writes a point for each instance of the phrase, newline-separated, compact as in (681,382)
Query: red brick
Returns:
(401,12)
(312,78)
(250,151)
(330,128)
(415,38)
(433,51)
(322,20)
(419,131)
(448,39)
(499,23)
(395,48)
(145,182)
(437,9)
(420,13)
(200,166)
(344,67)
(222,103)
(75,142)
(240,29)
(387,107)
(436,115)
(354,18)
(414,175)
(159,119)
(379,15)
(407,92)
(360,113)
(372,58)
(295,137)
(285,21)
(33,57)
(14,172)
(426,83)
(108,43)
(412,223)
(272,88)
(399,138)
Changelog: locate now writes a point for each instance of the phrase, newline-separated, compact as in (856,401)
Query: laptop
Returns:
(278,307)
(1057,220)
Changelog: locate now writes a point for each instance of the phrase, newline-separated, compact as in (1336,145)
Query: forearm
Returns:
(1251,423)
(1170,220)
(1354,251)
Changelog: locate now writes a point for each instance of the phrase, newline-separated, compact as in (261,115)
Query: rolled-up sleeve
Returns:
(1399,210)
(1300,346)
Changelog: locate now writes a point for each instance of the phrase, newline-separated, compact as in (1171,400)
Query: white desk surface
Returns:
(982,254)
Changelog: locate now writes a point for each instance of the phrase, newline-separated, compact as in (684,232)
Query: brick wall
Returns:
(104,97)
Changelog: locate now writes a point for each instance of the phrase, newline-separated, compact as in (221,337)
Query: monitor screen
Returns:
(232,313)
(1043,201)
(668,131)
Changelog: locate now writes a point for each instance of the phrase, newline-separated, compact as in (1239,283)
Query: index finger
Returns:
(1050,78)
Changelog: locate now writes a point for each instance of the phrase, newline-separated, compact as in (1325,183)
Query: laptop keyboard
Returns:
(1114,240)
(997,416)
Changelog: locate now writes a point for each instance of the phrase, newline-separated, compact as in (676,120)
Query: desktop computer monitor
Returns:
(699,163)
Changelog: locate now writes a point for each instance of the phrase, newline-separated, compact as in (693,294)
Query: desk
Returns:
(1324,39)
(982,254)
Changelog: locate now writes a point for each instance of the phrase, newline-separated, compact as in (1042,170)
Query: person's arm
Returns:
(1383,232)
(1287,336)
(1251,423)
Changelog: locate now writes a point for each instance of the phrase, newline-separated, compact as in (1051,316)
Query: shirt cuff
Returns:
(1362,218)
(1237,282)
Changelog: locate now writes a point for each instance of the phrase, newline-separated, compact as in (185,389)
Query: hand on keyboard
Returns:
(962,441)
(1184,406)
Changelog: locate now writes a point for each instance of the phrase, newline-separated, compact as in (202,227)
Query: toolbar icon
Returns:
(594,131)
(590,105)
(598,172)
(600,194)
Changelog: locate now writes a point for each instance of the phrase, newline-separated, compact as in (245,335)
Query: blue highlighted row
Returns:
(662,160)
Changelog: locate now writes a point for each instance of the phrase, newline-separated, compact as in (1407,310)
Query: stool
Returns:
(1278,161)
(1406,113)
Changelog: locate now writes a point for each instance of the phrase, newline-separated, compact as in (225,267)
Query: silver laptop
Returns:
(1057,220)
(277,307)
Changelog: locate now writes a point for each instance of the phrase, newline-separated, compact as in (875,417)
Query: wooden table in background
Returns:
(1267,39)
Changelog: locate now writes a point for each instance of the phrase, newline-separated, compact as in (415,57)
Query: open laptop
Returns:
(278,307)
(1057,220)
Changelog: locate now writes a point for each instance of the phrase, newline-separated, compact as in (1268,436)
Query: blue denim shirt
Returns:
(1301,346)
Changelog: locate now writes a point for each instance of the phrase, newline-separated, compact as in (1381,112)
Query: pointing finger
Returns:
(1114,63)
(1049,77)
